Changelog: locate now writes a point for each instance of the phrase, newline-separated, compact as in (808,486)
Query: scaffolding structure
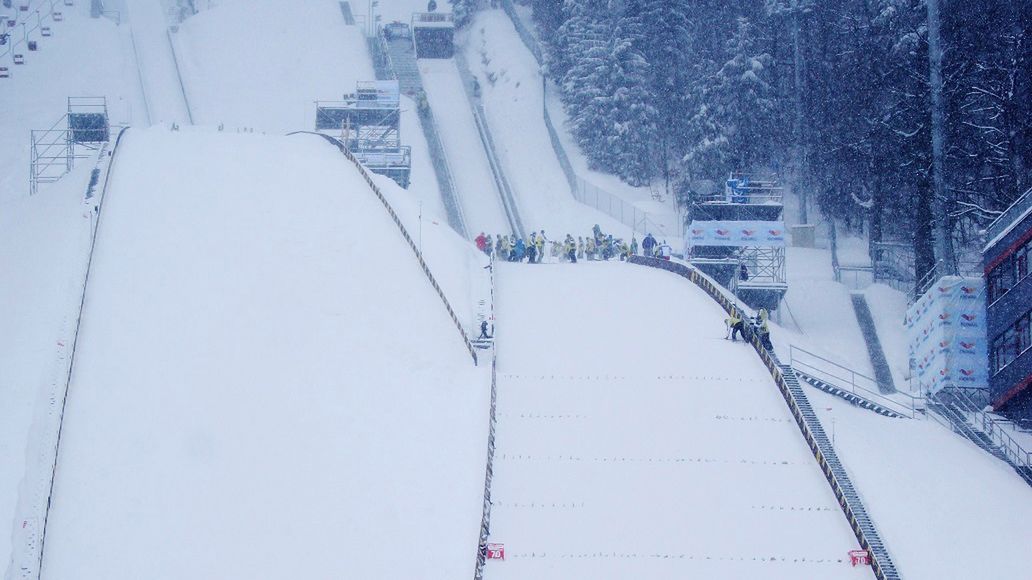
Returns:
(84,127)
(368,122)
(737,237)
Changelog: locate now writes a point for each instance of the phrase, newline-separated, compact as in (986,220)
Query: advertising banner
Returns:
(946,333)
(755,234)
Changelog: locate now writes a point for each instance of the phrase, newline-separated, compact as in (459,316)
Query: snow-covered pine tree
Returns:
(632,114)
(734,126)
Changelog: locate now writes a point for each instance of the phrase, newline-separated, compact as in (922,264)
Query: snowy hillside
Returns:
(634,441)
(254,382)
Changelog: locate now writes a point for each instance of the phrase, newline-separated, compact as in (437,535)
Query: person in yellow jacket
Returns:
(763,329)
(539,242)
(735,325)
(580,248)
(589,248)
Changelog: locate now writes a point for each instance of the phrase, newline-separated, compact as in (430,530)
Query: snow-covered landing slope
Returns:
(266,385)
(635,442)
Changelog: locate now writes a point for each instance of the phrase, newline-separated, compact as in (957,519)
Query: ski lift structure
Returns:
(368,122)
(737,237)
(82,130)
(433,34)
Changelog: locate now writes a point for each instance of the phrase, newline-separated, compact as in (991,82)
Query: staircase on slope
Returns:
(403,58)
(949,406)
(874,348)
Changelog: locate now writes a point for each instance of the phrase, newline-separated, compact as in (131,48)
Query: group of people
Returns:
(758,325)
(598,246)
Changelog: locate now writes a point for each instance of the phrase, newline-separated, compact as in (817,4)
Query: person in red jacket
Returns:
(481,241)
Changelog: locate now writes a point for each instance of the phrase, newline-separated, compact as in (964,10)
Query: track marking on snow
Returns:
(794,508)
(674,556)
(575,459)
(538,378)
(539,505)
(550,417)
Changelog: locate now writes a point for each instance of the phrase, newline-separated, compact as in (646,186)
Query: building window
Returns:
(1001,279)
(1011,343)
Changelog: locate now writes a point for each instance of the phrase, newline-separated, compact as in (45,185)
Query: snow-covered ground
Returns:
(512,98)
(944,507)
(476,189)
(634,441)
(245,400)
(152,48)
(257,64)
(284,252)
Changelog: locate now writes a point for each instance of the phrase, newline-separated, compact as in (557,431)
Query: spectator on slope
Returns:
(506,250)
(483,330)
(519,250)
(597,231)
(623,249)
(589,249)
(580,248)
(531,253)
(481,242)
(540,243)
(649,245)
(634,246)
(570,247)
(735,325)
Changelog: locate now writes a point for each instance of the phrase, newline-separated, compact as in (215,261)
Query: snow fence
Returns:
(404,232)
(36,492)
(808,423)
(485,519)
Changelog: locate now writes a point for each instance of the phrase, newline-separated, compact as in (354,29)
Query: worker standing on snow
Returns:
(735,325)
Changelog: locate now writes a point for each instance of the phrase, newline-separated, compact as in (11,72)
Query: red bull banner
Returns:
(755,234)
(946,333)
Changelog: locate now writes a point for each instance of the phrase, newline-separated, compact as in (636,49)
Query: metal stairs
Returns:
(949,408)
(403,57)
(834,471)
(850,397)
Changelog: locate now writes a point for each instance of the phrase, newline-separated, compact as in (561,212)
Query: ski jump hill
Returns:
(265,384)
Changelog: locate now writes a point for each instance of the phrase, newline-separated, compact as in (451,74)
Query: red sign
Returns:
(859,557)
(496,551)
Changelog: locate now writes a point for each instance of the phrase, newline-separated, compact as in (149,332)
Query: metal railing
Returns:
(973,403)
(848,380)
(1016,209)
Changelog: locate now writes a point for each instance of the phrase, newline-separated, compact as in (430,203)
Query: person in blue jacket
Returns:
(648,244)
(520,250)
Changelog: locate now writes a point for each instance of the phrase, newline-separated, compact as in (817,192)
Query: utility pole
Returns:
(946,262)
